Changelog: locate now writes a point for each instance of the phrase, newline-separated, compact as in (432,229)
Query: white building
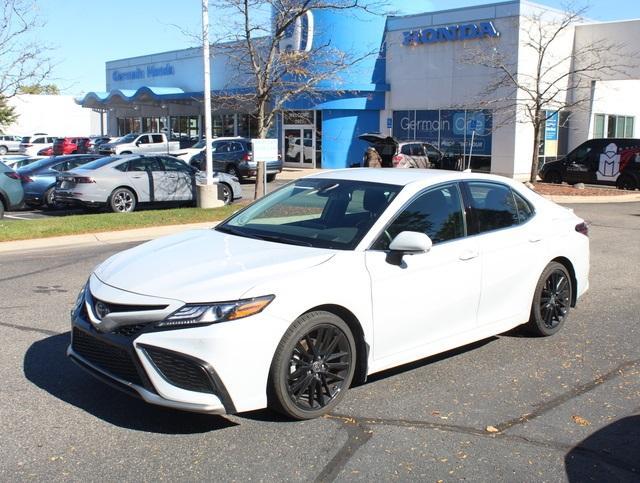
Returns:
(56,115)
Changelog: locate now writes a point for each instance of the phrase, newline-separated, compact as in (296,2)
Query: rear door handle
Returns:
(469,254)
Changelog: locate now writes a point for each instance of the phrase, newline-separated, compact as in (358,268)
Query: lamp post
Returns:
(207,90)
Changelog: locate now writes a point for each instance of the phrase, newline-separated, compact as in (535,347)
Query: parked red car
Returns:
(70,145)
(46,151)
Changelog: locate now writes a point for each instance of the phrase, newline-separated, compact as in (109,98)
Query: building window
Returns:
(613,126)
(128,125)
(185,128)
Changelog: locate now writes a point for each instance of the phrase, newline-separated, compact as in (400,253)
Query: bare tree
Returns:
(556,77)
(23,60)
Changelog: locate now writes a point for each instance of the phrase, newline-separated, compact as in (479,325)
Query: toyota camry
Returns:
(325,281)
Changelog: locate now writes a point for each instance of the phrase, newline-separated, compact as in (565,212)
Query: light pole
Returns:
(207,90)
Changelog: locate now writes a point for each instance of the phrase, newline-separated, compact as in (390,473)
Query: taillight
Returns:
(13,175)
(84,179)
(25,179)
(247,157)
(396,159)
(583,228)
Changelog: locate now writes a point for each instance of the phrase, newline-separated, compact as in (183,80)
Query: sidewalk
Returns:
(143,234)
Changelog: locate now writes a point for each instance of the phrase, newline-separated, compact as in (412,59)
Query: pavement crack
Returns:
(357,436)
(547,406)
(25,328)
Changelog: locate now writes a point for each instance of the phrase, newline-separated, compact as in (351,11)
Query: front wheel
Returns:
(227,194)
(49,199)
(553,176)
(122,200)
(551,301)
(313,366)
(3,150)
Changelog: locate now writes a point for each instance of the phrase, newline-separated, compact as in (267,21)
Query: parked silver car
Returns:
(9,144)
(121,183)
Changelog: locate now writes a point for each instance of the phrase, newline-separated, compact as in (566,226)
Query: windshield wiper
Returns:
(280,239)
(232,231)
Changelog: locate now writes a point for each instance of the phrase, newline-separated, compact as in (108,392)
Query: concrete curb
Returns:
(593,199)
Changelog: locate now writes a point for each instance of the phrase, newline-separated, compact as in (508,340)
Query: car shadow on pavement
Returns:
(610,454)
(47,366)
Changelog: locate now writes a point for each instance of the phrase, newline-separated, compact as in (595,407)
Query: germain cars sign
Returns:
(450,33)
(149,72)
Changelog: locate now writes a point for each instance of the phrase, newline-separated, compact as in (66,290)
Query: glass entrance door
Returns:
(299,139)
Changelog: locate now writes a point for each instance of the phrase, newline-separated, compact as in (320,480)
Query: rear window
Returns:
(26,139)
(100,162)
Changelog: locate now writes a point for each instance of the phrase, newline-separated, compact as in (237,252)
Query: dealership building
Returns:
(431,80)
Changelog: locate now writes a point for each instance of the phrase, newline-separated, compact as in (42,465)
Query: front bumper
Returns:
(218,369)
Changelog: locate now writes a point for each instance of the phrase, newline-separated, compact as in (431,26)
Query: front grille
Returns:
(129,330)
(180,371)
(107,357)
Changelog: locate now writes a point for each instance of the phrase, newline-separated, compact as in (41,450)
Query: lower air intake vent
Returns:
(107,357)
(181,371)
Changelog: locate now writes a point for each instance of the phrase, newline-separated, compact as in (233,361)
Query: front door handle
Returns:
(469,254)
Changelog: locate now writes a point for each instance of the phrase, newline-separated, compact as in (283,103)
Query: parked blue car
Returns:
(39,177)
(11,192)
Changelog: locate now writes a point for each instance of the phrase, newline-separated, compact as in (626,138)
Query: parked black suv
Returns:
(233,156)
(610,161)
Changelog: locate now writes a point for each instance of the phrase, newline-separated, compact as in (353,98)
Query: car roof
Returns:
(407,176)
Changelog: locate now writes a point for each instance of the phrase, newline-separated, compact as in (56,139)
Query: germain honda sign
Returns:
(450,33)
(149,72)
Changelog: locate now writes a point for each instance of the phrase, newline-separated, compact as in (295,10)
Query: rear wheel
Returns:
(233,171)
(48,200)
(626,182)
(122,200)
(3,150)
(551,301)
(313,366)
(553,176)
(1,209)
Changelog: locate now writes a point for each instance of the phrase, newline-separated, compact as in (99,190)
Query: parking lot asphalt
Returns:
(509,408)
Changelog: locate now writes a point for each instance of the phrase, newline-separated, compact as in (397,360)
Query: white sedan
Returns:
(329,279)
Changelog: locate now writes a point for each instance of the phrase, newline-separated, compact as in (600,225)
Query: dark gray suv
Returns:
(234,156)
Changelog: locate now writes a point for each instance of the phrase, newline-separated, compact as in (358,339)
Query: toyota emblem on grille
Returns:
(102,310)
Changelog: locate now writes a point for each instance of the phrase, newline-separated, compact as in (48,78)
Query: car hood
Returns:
(204,266)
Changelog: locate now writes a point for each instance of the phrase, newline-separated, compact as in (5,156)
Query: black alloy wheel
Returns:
(49,199)
(552,300)
(313,366)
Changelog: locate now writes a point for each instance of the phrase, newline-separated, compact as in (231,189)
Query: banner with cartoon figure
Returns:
(609,167)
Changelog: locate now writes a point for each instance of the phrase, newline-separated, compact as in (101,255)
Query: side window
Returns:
(38,141)
(235,147)
(156,138)
(438,213)
(145,164)
(406,149)
(173,165)
(122,166)
(494,206)
(524,208)
(418,150)
(432,152)
(143,139)
(60,166)
(220,147)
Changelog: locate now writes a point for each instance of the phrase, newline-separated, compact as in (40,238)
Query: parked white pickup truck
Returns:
(141,144)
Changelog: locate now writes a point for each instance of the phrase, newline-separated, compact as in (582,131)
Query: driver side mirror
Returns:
(408,243)
(137,143)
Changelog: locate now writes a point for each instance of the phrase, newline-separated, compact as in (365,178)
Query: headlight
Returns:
(205,314)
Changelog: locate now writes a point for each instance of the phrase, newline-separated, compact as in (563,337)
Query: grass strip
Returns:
(99,222)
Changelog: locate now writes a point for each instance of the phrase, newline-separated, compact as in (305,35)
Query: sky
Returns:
(84,34)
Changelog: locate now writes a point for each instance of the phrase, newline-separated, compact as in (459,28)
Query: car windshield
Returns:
(321,213)
(200,144)
(129,138)
(100,162)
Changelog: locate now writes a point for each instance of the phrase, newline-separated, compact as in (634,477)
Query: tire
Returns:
(122,200)
(233,171)
(1,209)
(271,177)
(553,176)
(48,200)
(551,301)
(302,385)
(3,150)
(126,152)
(227,193)
(626,182)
